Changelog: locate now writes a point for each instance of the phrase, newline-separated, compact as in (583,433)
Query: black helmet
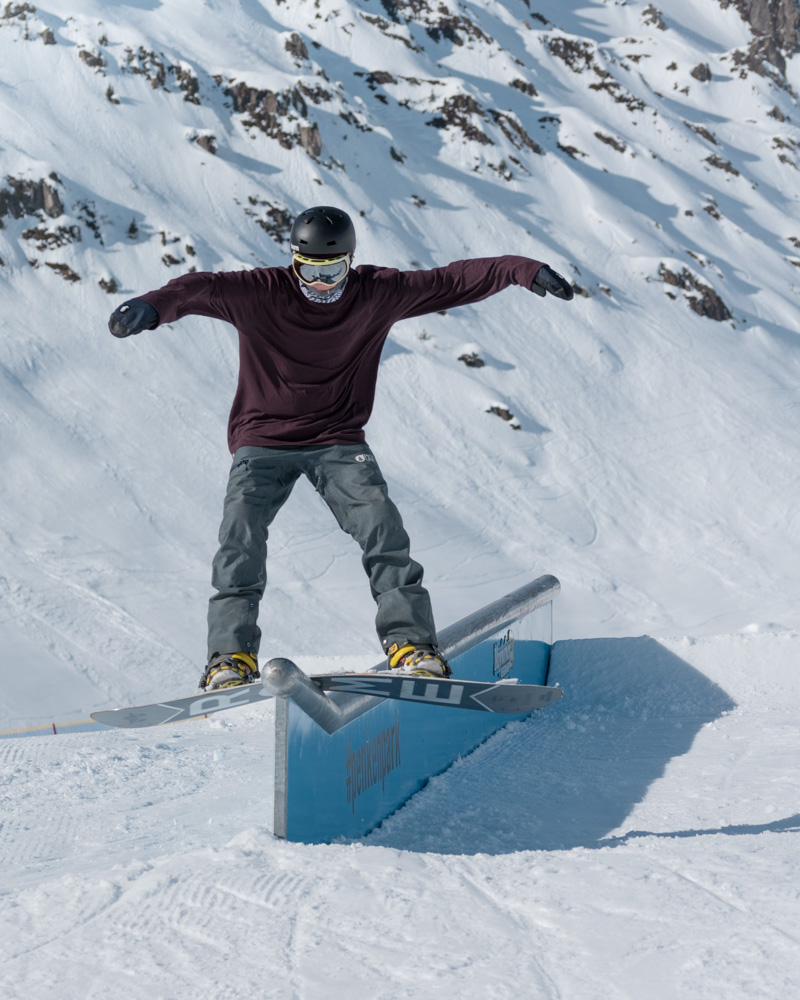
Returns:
(323,232)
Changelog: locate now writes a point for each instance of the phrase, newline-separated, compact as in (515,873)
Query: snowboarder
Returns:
(310,340)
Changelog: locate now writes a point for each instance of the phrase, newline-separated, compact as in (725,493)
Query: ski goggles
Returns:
(326,271)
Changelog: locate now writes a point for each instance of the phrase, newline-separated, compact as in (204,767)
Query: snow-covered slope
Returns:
(636,840)
(651,462)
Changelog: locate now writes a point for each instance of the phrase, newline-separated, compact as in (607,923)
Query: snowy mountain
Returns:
(636,840)
(639,442)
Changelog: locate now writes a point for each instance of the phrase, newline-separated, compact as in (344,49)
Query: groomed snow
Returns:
(637,839)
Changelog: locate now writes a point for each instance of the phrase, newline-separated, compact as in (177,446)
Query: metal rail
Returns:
(285,679)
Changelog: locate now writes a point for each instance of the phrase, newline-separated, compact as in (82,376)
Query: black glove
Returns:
(131,317)
(548,280)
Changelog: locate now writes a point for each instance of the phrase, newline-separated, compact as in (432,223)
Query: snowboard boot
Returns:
(417,658)
(229,670)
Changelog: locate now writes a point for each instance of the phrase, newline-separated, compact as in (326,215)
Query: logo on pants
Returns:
(364,458)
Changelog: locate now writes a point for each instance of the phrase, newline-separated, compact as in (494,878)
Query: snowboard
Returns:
(503,697)
(180,709)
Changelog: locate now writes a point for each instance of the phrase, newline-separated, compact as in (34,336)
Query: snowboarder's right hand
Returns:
(132,317)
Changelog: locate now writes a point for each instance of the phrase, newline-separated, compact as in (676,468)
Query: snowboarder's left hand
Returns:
(132,317)
(548,280)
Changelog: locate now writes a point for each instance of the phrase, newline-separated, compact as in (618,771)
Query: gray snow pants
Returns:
(348,479)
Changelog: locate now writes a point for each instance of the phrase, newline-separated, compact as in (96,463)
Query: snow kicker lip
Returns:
(503,698)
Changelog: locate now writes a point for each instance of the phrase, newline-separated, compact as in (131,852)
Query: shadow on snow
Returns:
(571,774)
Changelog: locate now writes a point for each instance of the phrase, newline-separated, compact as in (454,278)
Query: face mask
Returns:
(326,297)
(321,274)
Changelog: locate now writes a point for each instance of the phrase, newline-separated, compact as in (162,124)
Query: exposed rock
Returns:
(702,72)
(356,120)
(720,164)
(317,95)
(296,47)
(777,20)
(777,114)
(383,26)
(17,11)
(24,197)
(505,414)
(525,87)
(187,82)
(92,59)
(275,219)
(473,360)
(66,272)
(48,239)
(462,112)
(617,91)
(776,28)
(453,27)
(109,285)
(701,130)
(310,139)
(652,15)
(48,37)
(148,65)
(437,19)
(609,140)
(514,132)
(396,8)
(208,143)
(378,78)
(154,68)
(168,240)
(502,169)
(761,51)
(580,57)
(789,144)
(457,111)
(271,113)
(706,303)
(572,151)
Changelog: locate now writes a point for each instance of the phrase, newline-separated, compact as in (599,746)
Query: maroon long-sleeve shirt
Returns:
(307,371)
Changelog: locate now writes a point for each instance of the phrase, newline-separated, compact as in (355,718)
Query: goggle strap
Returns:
(320,260)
